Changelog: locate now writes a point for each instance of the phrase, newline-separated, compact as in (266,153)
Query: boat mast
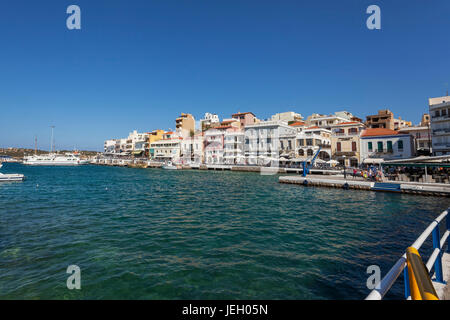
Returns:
(35,145)
(51,140)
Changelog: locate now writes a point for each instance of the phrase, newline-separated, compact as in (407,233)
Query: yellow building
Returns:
(345,143)
(185,125)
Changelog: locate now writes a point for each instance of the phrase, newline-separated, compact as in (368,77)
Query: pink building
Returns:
(245,118)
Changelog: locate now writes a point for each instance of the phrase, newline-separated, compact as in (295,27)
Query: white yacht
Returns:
(6,177)
(54,159)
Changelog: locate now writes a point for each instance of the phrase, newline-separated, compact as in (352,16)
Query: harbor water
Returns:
(193,234)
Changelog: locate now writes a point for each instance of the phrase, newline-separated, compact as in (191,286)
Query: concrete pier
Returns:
(338,181)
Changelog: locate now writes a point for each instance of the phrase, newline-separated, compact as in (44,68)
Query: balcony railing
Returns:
(346,153)
(383,151)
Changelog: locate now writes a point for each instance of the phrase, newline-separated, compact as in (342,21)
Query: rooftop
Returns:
(374,132)
(297,124)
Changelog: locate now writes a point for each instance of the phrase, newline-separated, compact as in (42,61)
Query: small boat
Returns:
(169,166)
(6,177)
(11,177)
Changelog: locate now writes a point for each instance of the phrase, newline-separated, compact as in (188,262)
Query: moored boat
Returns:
(169,166)
(54,159)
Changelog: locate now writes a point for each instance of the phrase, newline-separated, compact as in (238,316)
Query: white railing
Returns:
(434,260)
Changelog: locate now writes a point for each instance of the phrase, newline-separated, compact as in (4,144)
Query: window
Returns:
(289,145)
(444,112)
(436,113)
(400,145)
(380,146)
(353,145)
(389,146)
(338,146)
(370,146)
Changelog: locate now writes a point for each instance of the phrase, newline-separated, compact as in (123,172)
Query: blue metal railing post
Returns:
(406,280)
(438,262)
(447,220)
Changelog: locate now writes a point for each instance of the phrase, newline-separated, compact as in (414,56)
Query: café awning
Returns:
(373,161)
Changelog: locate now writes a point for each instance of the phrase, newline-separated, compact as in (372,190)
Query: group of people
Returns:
(372,173)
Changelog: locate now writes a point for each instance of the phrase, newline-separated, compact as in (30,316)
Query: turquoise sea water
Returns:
(168,234)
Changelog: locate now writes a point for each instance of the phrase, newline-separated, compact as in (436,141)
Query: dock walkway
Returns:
(338,181)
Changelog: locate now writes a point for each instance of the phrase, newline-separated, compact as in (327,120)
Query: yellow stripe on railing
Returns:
(419,279)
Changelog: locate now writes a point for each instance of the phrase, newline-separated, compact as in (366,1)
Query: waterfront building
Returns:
(208,120)
(234,146)
(214,142)
(262,141)
(345,143)
(328,121)
(385,119)
(213,146)
(440,125)
(137,144)
(289,116)
(185,125)
(192,149)
(110,146)
(154,136)
(309,140)
(422,139)
(287,145)
(168,148)
(245,118)
(386,144)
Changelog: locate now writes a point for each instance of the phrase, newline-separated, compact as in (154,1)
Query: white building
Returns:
(328,121)
(110,146)
(262,141)
(234,147)
(422,138)
(192,149)
(309,140)
(208,119)
(440,125)
(381,143)
(286,116)
(213,147)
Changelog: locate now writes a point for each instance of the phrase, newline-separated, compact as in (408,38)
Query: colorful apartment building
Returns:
(345,145)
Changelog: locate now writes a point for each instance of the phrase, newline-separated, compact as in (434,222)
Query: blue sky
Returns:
(139,64)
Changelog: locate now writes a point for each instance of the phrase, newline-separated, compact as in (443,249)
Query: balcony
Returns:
(346,153)
(441,131)
(438,118)
(383,152)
